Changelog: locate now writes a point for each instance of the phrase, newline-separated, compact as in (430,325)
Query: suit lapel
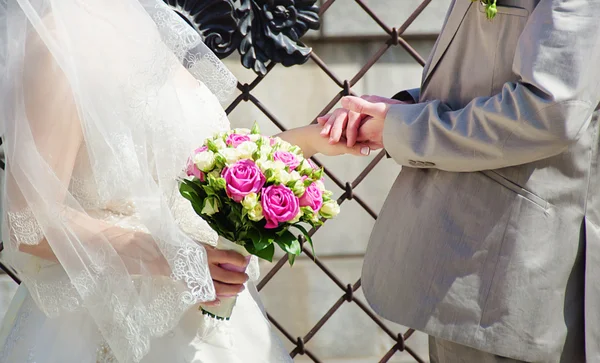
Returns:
(455,18)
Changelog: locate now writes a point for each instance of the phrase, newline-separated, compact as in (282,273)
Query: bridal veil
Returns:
(98,83)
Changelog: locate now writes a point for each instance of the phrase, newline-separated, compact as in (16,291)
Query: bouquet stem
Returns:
(224,310)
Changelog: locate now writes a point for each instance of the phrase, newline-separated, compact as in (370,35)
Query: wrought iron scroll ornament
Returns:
(263,31)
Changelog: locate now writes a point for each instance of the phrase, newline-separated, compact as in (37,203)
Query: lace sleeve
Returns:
(24,228)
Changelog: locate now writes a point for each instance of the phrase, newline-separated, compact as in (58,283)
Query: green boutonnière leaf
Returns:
(490,8)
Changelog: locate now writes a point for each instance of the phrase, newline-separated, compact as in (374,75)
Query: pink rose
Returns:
(279,205)
(272,141)
(287,158)
(192,169)
(312,164)
(312,197)
(236,139)
(243,178)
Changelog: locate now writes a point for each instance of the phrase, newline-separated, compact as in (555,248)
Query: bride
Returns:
(101,103)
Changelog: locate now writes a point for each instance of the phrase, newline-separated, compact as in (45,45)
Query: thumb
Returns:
(360,149)
(376,110)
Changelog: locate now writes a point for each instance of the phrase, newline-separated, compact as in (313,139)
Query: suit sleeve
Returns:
(537,117)
(408,96)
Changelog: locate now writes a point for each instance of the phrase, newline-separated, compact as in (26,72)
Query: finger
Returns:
(230,257)
(329,123)
(357,104)
(339,124)
(321,120)
(228,277)
(215,302)
(327,127)
(342,148)
(352,128)
(227,290)
(371,98)
(364,131)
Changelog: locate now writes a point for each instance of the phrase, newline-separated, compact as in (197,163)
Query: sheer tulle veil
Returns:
(106,77)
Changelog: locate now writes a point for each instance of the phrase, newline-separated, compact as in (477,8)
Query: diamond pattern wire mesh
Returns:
(394,39)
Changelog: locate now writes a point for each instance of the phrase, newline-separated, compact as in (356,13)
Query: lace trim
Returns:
(24,228)
(188,47)
(190,266)
(210,70)
(85,192)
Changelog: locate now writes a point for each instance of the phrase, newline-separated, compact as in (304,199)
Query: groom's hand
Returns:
(359,120)
(227,283)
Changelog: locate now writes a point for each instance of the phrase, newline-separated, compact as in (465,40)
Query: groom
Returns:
(489,240)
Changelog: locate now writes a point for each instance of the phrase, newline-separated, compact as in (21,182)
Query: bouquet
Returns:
(254,190)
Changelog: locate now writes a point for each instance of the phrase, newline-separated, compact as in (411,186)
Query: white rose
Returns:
(265,150)
(298,188)
(273,165)
(246,149)
(330,209)
(220,143)
(256,214)
(254,137)
(295,175)
(205,160)
(320,185)
(305,167)
(282,176)
(297,217)
(242,131)
(231,155)
(211,206)
(284,145)
(250,201)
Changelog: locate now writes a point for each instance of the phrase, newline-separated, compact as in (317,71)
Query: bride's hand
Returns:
(227,283)
(309,139)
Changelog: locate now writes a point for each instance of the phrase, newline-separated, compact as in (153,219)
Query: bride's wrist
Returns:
(301,137)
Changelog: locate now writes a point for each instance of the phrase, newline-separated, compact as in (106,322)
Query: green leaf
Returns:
(260,241)
(193,185)
(266,253)
(255,129)
(317,174)
(289,243)
(209,190)
(307,236)
(211,145)
(291,258)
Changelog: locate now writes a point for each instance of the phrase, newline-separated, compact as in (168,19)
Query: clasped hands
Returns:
(360,120)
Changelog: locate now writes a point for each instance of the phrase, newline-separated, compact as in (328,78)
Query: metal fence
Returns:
(393,38)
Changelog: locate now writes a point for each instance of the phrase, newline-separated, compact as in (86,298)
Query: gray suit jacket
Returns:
(490,236)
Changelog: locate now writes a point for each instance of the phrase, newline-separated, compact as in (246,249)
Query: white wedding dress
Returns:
(102,101)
